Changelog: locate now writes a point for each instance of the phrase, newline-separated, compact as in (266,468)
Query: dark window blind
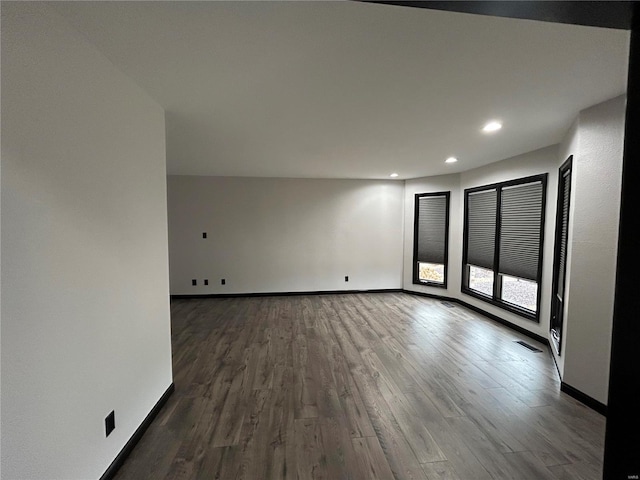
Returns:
(481,228)
(564,230)
(432,225)
(520,222)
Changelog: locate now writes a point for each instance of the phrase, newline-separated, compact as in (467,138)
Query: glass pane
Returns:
(431,272)
(520,292)
(481,280)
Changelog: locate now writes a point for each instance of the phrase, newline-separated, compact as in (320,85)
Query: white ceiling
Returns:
(348,89)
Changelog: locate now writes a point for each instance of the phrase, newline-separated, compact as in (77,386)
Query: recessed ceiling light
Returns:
(451,160)
(393,175)
(492,126)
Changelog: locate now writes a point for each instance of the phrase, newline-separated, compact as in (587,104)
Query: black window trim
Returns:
(567,166)
(416,279)
(494,300)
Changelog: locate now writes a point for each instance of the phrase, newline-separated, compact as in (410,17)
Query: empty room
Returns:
(319,240)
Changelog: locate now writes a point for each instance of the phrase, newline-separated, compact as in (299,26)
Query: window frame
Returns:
(416,270)
(565,169)
(497,277)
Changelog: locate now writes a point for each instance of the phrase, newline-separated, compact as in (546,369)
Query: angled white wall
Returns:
(284,235)
(85,317)
(532,163)
(596,143)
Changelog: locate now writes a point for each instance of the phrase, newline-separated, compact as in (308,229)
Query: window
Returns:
(560,254)
(481,280)
(431,232)
(503,237)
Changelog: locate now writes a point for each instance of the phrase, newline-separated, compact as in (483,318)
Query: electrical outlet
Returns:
(346,278)
(223,282)
(110,423)
(194,282)
(204,234)
(206,282)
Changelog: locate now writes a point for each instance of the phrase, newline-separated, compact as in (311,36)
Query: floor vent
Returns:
(530,347)
(447,304)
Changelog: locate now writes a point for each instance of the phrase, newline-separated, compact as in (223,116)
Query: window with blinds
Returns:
(431,232)
(503,238)
(560,254)
(565,188)
(520,222)
(481,222)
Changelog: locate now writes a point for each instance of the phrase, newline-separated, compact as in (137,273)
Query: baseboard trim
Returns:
(582,397)
(590,402)
(495,318)
(568,389)
(282,294)
(506,323)
(137,435)
(555,361)
(432,295)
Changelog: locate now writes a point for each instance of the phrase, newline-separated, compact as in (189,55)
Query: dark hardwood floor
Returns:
(365,386)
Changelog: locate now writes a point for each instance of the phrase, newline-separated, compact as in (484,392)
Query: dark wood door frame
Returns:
(622,440)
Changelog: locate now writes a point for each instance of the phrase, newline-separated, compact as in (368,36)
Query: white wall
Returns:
(284,235)
(596,143)
(85,318)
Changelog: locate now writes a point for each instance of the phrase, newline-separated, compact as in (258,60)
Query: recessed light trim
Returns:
(451,160)
(492,126)
(393,175)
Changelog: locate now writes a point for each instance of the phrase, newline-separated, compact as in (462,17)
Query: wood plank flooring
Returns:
(364,386)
